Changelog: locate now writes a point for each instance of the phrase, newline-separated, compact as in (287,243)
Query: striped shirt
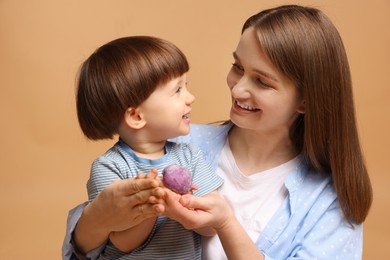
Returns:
(168,239)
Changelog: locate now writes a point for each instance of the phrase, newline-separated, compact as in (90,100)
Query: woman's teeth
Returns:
(246,107)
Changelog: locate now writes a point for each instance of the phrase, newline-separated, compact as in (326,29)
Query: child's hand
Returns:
(193,187)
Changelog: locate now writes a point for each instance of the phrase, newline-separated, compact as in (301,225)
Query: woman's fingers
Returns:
(141,182)
(152,174)
(193,202)
(146,211)
(209,210)
(125,203)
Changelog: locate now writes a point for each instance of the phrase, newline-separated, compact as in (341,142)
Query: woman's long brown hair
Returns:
(304,45)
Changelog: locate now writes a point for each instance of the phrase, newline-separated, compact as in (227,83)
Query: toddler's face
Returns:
(167,109)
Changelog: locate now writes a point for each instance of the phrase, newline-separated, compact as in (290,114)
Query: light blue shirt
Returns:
(308,225)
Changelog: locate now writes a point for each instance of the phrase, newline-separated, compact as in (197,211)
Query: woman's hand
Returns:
(121,205)
(209,211)
(214,211)
(193,212)
(124,204)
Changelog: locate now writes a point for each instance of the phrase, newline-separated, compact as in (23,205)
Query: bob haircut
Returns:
(121,74)
(305,46)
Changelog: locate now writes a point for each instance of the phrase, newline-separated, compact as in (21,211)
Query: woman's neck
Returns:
(256,152)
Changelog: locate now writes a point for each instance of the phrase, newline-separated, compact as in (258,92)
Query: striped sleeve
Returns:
(203,175)
(103,172)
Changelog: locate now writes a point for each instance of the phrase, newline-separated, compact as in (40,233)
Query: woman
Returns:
(295,177)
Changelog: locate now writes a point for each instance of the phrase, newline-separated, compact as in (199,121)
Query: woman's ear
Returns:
(133,118)
(302,107)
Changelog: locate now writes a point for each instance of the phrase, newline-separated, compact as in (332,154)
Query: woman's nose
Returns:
(240,88)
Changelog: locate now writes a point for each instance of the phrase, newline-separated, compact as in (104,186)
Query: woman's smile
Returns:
(246,107)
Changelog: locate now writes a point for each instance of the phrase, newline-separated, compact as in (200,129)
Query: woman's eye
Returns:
(262,83)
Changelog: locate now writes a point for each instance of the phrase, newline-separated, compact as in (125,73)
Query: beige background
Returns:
(44,157)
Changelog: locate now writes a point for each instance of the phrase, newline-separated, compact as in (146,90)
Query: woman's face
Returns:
(263,99)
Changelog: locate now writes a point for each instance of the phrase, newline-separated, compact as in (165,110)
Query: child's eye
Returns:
(237,67)
(178,90)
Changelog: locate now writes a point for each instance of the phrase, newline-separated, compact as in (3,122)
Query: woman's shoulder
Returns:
(308,188)
(304,178)
(212,127)
(209,131)
(201,133)
(209,138)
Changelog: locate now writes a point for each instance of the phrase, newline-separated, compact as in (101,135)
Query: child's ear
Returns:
(302,107)
(133,118)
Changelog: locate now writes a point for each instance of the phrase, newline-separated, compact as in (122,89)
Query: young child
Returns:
(135,87)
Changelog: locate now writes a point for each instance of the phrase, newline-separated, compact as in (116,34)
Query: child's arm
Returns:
(128,240)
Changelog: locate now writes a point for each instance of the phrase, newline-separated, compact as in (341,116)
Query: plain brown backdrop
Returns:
(45,159)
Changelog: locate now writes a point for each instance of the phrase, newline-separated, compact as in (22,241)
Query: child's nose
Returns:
(190,98)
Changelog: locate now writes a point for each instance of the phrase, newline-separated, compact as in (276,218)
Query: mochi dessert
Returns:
(177,178)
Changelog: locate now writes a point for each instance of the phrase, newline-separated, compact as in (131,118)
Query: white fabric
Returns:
(254,199)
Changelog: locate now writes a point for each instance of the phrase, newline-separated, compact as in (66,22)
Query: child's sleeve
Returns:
(203,175)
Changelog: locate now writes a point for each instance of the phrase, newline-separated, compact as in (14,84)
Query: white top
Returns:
(254,199)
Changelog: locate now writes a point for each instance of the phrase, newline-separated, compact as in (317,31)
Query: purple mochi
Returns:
(177,178)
